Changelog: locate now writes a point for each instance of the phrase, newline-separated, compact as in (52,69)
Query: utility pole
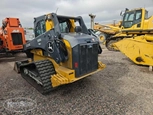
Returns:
(92,20)
(114,22)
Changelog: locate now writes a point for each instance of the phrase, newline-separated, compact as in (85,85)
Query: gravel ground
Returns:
(122,88)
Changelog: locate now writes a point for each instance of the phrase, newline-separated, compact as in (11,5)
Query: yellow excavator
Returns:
(134,23)
(136,38)
(62,52)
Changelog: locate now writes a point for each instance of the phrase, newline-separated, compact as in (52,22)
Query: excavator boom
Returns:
(138,49)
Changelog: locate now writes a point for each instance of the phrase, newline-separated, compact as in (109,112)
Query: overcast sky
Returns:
(105,10)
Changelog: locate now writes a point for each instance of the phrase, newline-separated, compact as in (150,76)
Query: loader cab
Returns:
(66,25)
(42,24)
(71,24)
(134,18)
(63,24)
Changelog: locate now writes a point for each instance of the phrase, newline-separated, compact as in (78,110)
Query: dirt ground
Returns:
(122,88)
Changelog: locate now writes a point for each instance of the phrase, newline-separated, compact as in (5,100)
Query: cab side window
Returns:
(64,27)
(130,17)
(138,15)
(128,20)
(40,28)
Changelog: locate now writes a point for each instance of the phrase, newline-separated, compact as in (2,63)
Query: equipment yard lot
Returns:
(122,88)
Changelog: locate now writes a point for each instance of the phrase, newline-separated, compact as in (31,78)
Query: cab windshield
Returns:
(68,25)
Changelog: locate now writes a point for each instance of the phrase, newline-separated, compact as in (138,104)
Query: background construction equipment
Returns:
(137,37)
(12,36)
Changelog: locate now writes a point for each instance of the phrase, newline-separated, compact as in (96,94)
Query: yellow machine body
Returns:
(139,49)
(64,74)
(66,55)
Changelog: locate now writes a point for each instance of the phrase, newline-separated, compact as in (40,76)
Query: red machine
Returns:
(12,36)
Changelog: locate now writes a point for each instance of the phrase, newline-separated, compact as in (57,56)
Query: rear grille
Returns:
(88,58)
(17,38)
(83,60)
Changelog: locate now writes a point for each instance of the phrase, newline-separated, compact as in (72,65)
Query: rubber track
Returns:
(45,69)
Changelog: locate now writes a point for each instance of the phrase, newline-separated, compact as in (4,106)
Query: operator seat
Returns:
(67,30)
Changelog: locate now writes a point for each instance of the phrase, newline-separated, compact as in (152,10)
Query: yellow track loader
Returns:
(137,39)
(62,52)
